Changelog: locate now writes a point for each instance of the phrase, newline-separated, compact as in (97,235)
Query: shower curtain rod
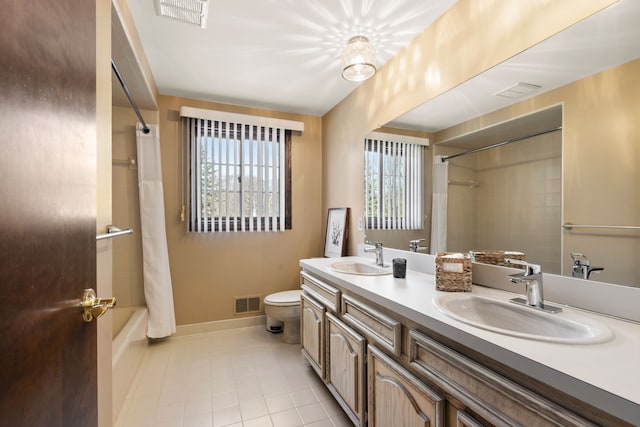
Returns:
(145,128)
(508,141)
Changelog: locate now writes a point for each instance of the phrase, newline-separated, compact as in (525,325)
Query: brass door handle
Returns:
(93,307)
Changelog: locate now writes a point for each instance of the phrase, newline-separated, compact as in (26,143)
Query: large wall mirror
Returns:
(567,111)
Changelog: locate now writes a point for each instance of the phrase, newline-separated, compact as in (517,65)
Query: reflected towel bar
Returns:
(569,226)
(113,231)
(469,183)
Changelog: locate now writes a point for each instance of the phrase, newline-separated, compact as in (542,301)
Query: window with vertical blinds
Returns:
(394,197)
(239,176)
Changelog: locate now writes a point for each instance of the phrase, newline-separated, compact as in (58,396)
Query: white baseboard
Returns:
(219,325)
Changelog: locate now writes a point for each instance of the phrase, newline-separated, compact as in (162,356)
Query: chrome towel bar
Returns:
(113,231)
(569,226)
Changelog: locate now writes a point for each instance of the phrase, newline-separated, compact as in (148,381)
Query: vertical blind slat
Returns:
(260,182)
(273,181)
(251,213)
(271,190)
(199,168)
(243,138)
(408,196)
(193,157)
(381,202)
(282,177)
(366,183)
(216,165)
(236,178)
(227,173)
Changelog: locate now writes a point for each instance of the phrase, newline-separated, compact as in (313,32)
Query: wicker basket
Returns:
(497,257)
(453,272)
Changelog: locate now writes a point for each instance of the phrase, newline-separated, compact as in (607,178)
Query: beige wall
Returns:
(209,270)
(472,37)
(601,155)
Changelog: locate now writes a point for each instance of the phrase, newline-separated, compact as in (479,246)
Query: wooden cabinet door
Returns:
(312,330)
(346,368)
(397,398)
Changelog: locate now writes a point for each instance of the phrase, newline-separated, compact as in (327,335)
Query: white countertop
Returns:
(605,375)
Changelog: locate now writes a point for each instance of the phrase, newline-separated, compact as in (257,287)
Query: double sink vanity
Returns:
(397,352)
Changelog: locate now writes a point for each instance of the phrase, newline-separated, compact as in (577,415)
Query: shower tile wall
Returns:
(461,217)
(517,204)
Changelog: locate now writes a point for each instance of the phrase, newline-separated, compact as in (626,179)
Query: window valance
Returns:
(403,139)
(200,113)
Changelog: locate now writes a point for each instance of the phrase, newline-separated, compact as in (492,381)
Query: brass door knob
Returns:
(93,307)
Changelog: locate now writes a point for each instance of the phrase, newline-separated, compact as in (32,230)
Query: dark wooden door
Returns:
(47,212)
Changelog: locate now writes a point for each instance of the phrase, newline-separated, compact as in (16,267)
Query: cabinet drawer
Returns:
(397,398)
(498,400)
(376,326)
(312,332)
(326,294)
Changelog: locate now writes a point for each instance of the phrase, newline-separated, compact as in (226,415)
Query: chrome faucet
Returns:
(532,279)
(414,245)
(582,266)
(378,250)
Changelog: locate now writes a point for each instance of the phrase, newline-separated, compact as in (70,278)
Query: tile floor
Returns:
(239,378)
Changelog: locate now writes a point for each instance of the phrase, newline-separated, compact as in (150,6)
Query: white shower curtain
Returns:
(439,205)
(157,277)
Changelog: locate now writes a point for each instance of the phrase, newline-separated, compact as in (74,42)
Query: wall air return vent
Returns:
(517,90)
(190,11)
(246,305)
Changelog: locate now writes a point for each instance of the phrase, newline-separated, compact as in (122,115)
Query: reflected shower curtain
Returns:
(439,205)
(155,257)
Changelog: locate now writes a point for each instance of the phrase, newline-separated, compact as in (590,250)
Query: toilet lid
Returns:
(284,298)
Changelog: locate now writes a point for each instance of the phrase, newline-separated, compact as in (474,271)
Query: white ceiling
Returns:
(277,54)
(286,54)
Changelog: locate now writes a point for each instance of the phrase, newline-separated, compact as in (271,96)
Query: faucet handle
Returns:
(529,268)
(414,245)
(579,259)
(378,245)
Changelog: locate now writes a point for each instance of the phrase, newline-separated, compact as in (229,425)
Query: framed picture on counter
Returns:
(336,235)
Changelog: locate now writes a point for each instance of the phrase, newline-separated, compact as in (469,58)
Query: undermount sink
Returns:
(511,319)
(361,268)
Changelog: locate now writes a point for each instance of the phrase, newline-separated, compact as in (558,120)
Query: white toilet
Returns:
(285,307)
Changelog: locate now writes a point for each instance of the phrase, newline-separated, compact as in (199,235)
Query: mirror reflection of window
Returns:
(394,197)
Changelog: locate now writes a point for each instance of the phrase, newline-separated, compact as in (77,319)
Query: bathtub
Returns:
(129,343)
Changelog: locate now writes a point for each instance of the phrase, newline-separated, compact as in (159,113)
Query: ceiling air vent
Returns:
(190,11)
(517,90)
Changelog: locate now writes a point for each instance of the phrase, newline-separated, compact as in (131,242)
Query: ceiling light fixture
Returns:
(358,59)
